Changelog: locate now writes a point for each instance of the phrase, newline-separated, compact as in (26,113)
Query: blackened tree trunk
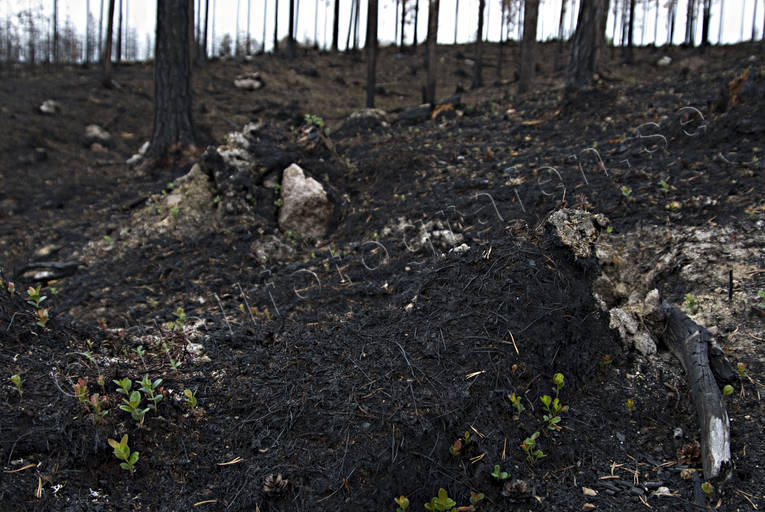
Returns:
(628,49)
(456,19)
(207,19)
(671,15)
(350,27)
(101,31)
(247,41)
(478,61)
(754,19)
(55,31)
(118,56)
(87,33)
(356,23)
(291,50)
(583,60)
(528,45)
(416,20)
(107,81)
(336,27)
(276,26)
(690,20)
(705,23)
(172,76)
(371,47)
(263,42)
(561,34)
(431,58)
(403,24)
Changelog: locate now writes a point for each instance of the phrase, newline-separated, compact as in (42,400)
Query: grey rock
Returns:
(305,207)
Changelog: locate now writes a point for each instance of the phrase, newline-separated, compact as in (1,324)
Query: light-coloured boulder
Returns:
(664,61)
(305,207)
(96,134)
(50,107)
(249,82)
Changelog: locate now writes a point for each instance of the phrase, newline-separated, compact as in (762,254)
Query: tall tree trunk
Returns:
(118,55)
(371,47)
(87,32)
(249,6)
(656,25)
(276,26)
(628,50)
(671,18)
(236,30)
(583,60)
(315,26)
(528,45)
(754,20)
(478,61)
(101,32)
(705,24)
(212,29)
(356,25)
(265,13)
(291,50)
(689,23)
(207,19)
(431,57)
(55,31)
(172,77)
(126,27)
(456,19)
(503,23)
(336,27)
(350,27)
(559,50)
(722,22)
(604,22)
(403,24)
(107,81)
(642,25)
(416,21)
(395,24)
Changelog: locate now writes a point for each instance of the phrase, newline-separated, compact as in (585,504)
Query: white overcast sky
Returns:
(141,14)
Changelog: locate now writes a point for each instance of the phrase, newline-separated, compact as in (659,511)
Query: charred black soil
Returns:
(351,366)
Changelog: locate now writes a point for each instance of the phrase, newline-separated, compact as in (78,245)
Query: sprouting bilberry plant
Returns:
(149,389)
(34,298)
(476,497)
(124,386)
(761,294)
(499,474)
(630,405)
(402,502)
(191,399)
(16,380)
(133,406)
(558,382)
(727,390)
(458,445)
(529,446)
(442,502)
(96,403)
(664,186)
(123,453)
(516,401)
(553,408)
(626,192)
(315,120)
(606,361)
(690,299)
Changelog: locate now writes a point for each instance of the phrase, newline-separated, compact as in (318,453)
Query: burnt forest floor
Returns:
(337,375)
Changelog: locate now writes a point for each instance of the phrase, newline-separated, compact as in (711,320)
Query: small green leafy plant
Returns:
(402,502)
(707,488)
(664,186)
(315,120)
(630,405)
(191,399)
(442,502)
(690,299)
(517,405)
(626,192)
(132,405)
(558,382)
(125,385)
(727,390)
(499,474)
(16,380)
(761,294)
(606,361)
(553,408)
(34,298)
(476,497)
(123,453)
(149,389)
(741,369)
(529,446)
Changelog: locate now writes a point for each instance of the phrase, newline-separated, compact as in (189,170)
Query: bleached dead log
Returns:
(690,343)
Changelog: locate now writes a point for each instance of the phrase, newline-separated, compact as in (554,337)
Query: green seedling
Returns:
(529,446)
(191,399)
(149,389)
(43,315)
(174,365)
(16,380)
(442,502)
(707,488)
(476,497)
(123,453)
(11,287)
(626,192)
(630,405)
(498,474)
(664,186)
(516,401)
(34,298)
(315,120)
(553,408)
(741,369)
(81,391)
(761,294)
(558,382)
(278,202)
(133,406)
(180,317)
(606,361)
(402,502)
(690,299)
(124,386)
(727,390)
(109,240)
